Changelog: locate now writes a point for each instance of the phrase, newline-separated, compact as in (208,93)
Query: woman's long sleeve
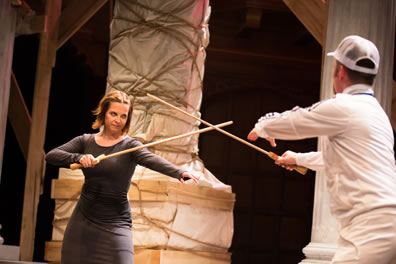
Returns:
(154,162)
(67,153)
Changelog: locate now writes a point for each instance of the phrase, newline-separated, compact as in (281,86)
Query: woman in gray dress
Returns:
(99,230)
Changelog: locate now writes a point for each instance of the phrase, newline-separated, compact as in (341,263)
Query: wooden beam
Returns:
(35,161)
(312,14)
(19,116)
(7,29)
(155,191)
(52,252)
(75,15)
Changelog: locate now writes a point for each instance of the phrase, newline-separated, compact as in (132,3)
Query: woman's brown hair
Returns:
(104,104)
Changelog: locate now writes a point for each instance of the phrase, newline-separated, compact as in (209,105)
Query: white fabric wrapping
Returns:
(158,47)
(199,227)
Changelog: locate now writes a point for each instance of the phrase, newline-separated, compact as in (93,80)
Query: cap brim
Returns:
(331,53)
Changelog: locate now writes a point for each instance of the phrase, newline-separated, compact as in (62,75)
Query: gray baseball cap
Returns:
(353,49)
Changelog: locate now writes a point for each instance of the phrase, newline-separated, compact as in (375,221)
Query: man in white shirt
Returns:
(357,156)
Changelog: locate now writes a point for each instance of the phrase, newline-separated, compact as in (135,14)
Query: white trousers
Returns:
(369,239)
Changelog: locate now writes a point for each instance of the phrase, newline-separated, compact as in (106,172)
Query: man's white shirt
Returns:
(358,154)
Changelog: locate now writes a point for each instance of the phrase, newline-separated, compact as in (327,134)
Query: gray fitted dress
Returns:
(99,230)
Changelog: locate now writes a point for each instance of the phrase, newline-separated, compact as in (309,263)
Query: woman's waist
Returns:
(103,194)
(105,211)
(107,203)
(105,216)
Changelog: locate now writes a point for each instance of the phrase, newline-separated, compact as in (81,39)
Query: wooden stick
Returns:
(75,166)
(272,155)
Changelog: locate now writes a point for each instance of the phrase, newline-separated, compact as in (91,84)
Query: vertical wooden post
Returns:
(35,162)
(7,29)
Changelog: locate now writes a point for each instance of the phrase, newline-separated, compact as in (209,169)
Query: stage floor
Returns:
(19,262)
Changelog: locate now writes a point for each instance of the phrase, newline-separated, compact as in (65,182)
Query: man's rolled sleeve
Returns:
(260,130)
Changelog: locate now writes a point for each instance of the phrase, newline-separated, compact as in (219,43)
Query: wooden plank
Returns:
(152,256)
(163,191)
(35,162)
(19,116)
(75,15)
(147,256)
(160,186)
(312,14)
(155,191)
(7,29)
(52,251)
(191,257)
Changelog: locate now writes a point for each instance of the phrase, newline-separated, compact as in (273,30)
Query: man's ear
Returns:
(342,72)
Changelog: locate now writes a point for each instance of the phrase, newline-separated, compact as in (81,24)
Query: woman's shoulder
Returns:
(87,136)
(83,138)
(131,141)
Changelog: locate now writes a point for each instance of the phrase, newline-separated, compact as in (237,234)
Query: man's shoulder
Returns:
(336,107)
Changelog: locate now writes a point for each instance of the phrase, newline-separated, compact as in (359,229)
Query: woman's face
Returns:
(116,117)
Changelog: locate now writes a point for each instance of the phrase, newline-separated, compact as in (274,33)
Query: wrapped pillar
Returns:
(158,47)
